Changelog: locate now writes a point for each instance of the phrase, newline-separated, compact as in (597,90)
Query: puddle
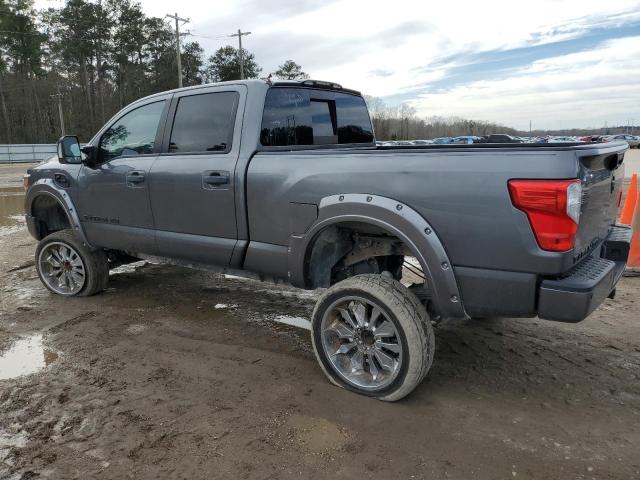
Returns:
(293,321)
(11,210)
(26,356)
(11,206)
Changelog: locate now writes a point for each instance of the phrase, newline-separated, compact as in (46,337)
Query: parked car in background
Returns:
(562,139)
(422,142)
(499,138)
(465,139)
(633,141)
(442,140)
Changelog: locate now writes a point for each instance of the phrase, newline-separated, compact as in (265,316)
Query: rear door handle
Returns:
(135,177)
(215,178)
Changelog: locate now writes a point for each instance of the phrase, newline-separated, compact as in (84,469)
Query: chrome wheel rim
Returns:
(62,268)
(361,343)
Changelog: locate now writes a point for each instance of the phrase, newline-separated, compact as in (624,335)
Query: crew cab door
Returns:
(192,181)
(113,204)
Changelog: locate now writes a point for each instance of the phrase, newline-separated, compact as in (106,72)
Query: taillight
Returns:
(26,178)
(619,198)
(553,209)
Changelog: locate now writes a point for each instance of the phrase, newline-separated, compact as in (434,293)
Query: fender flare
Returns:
(399,220)
(46,186)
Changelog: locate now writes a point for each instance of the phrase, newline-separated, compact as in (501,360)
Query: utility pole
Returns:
(239,35)
(178,20)
(59,97)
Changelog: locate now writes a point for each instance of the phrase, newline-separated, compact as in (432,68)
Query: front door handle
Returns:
(135,177)
(215,178)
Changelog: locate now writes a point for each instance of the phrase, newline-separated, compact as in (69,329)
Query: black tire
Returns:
(409,318)
(95,262)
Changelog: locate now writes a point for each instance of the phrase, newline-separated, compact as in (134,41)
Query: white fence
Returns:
(26,152)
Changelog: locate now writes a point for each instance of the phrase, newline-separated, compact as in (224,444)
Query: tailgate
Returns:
(602,175)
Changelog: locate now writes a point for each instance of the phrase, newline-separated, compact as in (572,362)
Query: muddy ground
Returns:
(175,373)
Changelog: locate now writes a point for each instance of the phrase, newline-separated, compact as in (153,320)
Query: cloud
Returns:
(380,72)
(580,89)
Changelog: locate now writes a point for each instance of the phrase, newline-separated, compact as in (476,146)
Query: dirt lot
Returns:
(175,373)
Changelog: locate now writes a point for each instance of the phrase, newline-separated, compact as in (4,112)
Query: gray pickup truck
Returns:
(283,181)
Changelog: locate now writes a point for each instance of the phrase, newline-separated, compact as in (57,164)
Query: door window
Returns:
(133,134)
(204,123)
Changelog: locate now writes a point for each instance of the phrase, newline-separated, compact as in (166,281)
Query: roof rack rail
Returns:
(314,84)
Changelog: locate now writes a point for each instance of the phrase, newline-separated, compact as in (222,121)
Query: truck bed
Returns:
(460,189)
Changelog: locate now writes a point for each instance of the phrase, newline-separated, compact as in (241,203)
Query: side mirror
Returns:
(90,158)
(69,149)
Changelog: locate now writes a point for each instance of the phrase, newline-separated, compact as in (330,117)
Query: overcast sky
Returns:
(560,64)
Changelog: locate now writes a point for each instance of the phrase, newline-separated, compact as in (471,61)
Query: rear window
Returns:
(204,123)
(301,116)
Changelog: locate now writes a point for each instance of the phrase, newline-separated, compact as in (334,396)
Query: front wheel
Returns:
(68,267)
(372,336)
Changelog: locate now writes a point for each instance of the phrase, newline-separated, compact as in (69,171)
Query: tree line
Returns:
(399,122)
(95,58)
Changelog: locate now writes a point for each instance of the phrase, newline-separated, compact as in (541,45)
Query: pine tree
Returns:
(290,70)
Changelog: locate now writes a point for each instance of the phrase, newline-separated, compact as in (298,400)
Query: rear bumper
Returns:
(572,297)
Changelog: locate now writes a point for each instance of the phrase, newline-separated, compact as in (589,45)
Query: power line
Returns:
(219,37)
